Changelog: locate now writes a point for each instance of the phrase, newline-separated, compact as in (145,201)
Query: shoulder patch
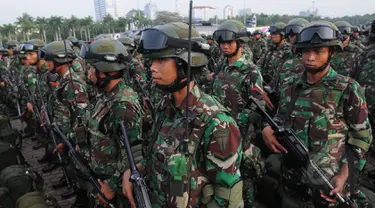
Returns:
(221,136)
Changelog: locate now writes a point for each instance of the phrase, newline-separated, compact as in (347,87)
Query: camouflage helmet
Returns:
(106,55)
(57,51)
(344,27)
(127,42)
(203,35)
(4,52)
(171,40)
(12,43)
(32,45)
(295,26)
(278,28)
(230,30)
(209,37)
(367,30)
(256,32)
(356,29)
(73,40)
(319,34)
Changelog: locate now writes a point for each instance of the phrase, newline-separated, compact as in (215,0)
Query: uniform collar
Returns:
(238,64)
(330,75)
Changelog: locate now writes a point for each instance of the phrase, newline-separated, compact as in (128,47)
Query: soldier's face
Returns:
(228,47)
(276,38)
(50,65)
(314,58)
(32,57)
(164,71)
(292,38)
(257,36)
(92,76)
(356,34)
(10,50)
(210,42)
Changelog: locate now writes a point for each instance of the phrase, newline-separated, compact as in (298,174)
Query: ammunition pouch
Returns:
(233,195)
(359,143)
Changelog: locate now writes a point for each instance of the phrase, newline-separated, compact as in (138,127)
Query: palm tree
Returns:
(88,22)
(122,22)
(26,23)
(10,30)
(109,22)
(42,24)
(56,22)
(73,23)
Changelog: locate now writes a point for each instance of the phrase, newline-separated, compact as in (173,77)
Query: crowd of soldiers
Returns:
(316,78)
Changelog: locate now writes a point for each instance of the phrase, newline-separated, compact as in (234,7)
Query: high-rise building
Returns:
(150,10)
(203,13)
(116,8)
(228,12)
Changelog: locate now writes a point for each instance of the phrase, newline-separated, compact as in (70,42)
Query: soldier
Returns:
(215,52)
(274,58)
(70,98)
(246,50)
(356,39)
(75,44)
(365,72)
(100,142)
(203,172)
(236,80)
(258,45)
(343,61)
(329,114)
(294,65)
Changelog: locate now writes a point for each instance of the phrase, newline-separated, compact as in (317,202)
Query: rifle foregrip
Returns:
(141,194)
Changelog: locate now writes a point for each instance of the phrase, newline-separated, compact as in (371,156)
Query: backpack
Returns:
(11,136)
(32,200)
(4,123)
(20,180)
(9,152)
(5,199)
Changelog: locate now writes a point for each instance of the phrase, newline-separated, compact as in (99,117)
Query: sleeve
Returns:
(253,87)
(223,158)
(131,117)
(356,114)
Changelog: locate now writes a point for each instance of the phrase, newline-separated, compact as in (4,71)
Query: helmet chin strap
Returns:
(235,52)
(103,82)
(322,68)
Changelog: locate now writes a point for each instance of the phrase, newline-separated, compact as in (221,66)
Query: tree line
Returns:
(53,28)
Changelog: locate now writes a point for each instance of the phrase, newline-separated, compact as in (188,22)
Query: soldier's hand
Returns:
(107,191)
(339,182)
(2,83)
(59,148)
(30,107)
(210,76)
(127,188)
(271,141)
(268,101)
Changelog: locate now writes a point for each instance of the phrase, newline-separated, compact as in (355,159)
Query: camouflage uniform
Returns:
(212,164)
(343,62)
(327,117)
(290,68)
(364,74)
(273,60)
(258,47)
(246,51)
(103,148)
(70,100)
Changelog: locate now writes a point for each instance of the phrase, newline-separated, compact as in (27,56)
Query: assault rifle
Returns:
(298,155)
(140,189)
(78,160)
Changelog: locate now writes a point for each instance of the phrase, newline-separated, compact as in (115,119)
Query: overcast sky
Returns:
(11,9)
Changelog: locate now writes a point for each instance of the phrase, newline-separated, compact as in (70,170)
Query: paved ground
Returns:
(31,157)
